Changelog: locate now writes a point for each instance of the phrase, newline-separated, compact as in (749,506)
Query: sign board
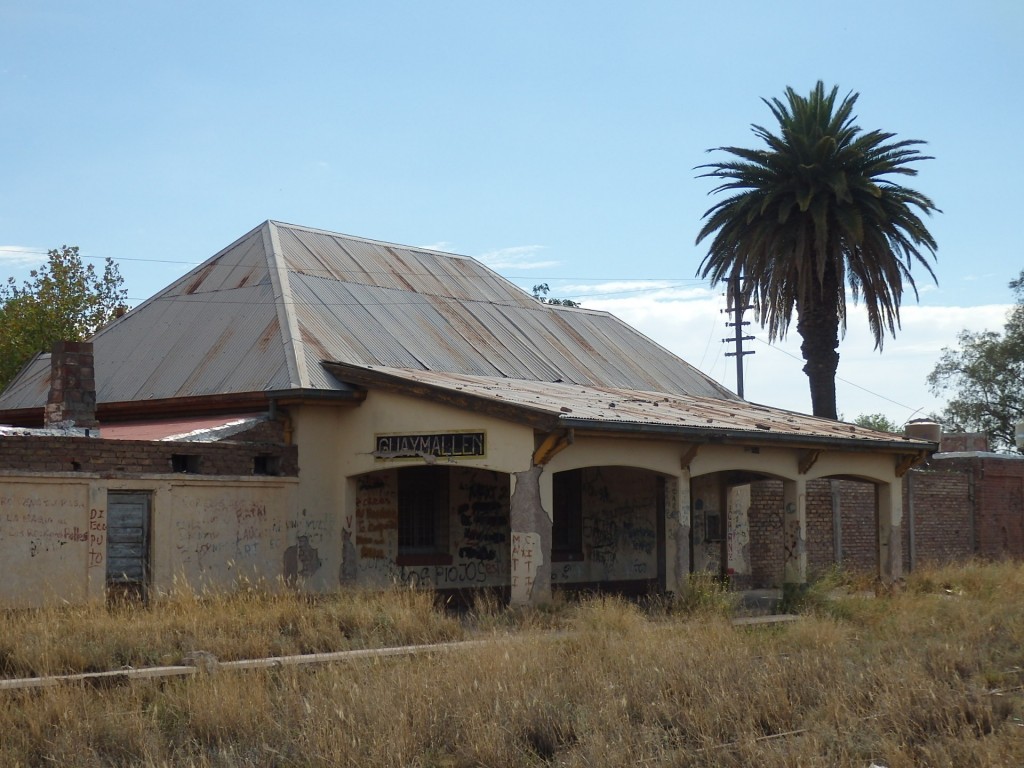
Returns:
(443,445)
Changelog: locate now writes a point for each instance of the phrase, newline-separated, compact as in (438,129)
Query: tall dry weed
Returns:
(903,680)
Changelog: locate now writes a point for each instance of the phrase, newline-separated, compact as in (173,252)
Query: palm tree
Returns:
(813,214)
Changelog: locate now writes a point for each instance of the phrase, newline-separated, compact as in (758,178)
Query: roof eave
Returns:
(362,376)
(746,437)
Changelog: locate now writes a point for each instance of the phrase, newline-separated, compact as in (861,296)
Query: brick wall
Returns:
(859,529)
(948,493)
(942,514)
(765,521)
(859,519)
(51,453)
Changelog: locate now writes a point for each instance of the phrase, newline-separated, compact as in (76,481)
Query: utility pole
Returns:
(735,302)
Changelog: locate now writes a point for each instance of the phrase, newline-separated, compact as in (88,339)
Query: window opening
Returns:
(185,462)
(567,515)
(423,510)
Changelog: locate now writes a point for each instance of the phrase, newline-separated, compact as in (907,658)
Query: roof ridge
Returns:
(294,353)
(373,241)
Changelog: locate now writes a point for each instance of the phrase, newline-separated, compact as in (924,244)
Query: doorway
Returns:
(128,521)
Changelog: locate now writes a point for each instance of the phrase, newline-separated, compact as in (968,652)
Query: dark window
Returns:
(712,526)
(266,465)
(423,511)
(567,522)
(185,462)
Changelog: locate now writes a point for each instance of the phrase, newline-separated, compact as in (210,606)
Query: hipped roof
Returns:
(262,314)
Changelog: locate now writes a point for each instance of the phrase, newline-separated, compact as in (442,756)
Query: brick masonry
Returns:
(55,453)
(962,506)
(72,395)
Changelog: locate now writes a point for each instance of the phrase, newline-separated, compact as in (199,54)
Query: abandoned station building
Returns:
(333,411)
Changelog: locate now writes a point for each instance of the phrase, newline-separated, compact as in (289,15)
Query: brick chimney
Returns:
(72,386)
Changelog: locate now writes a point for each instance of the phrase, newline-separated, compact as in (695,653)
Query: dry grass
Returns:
(898,680)
(250,622)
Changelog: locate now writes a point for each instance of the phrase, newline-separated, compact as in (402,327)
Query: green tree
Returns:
(64,300)
(878,421)
(540,293)
(815,213)
(984,374)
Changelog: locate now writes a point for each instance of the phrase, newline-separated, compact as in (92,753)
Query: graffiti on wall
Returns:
(478,534)
(620,527)
(213,531)
(301,561)
(482,513)
(794,546)
(526,559)
(738,531)
(707,546)
(36,525)
(97,537)
(376,514)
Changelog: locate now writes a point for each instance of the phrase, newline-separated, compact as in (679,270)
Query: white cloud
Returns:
(21,256)
(689,322)
(516,257)
(440,245)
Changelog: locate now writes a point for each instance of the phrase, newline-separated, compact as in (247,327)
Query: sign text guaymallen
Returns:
(442,445)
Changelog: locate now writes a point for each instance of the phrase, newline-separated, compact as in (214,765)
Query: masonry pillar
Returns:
(677,532)
(890,541)
(72,396)
(531,519)
(794,531)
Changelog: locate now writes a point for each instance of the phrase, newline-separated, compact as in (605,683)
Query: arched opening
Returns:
(738,527)
(609,529)
(443,527)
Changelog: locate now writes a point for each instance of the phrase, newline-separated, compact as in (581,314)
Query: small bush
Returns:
(704,594)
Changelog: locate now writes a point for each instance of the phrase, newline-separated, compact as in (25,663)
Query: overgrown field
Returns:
(930,675)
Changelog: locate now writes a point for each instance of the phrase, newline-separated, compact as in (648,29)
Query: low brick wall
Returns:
(52,453)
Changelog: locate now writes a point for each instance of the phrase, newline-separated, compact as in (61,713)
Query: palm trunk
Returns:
(818,325)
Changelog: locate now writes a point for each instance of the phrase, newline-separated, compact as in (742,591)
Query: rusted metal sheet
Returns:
(596,407)
(265,312)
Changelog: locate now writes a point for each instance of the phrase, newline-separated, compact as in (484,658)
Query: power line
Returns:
(326,270)
(840,378)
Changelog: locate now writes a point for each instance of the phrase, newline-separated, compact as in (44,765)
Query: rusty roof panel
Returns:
(315,253)
(599,405)
(263,313)
(244,263)
(30,387)
(192,345)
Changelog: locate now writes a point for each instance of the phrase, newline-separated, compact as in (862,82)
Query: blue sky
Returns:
(557,141)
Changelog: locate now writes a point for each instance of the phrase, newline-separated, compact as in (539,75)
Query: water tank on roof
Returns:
(924,429)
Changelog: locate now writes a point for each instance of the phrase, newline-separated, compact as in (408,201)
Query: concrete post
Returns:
(677,532)
(890,542)
(531,519)
(794,531)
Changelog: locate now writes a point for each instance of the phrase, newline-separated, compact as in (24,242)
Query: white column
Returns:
(677,531)
(530,513)
(890,541)
(794,532)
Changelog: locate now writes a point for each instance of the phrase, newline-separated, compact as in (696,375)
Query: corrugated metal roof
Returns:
(31,386)
(264,312)
(600,406)
(195,430)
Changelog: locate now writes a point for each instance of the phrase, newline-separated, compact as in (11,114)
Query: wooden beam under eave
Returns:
(552,445)
(808,460)
(907,462)
(688,455)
